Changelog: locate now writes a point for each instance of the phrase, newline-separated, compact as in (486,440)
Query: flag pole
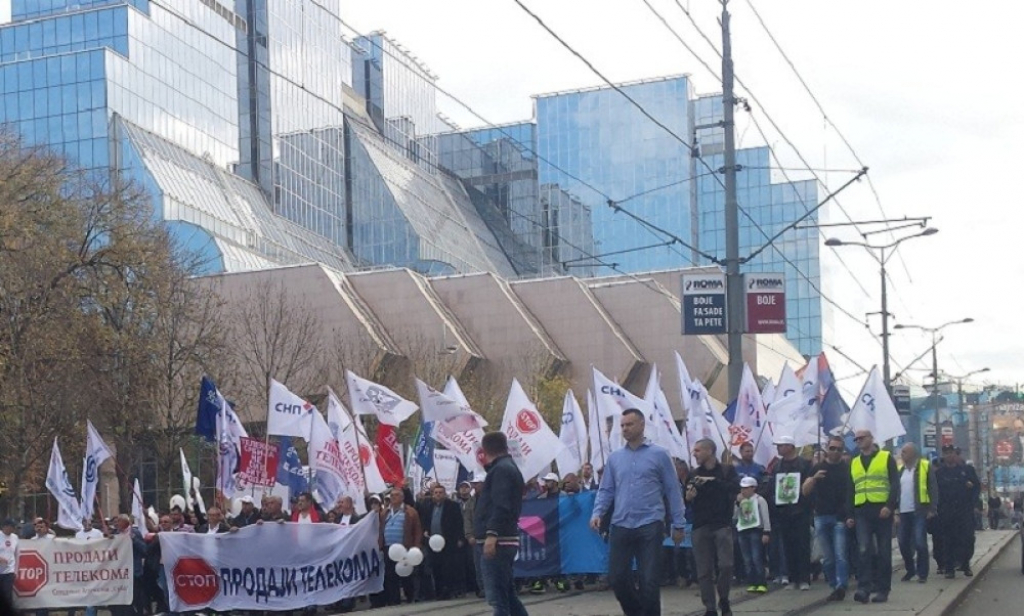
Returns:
(266,437)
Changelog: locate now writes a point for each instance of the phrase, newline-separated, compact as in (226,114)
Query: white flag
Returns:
(573,435)
(453,391)
(354,443)
(768,393)
(530,441)
(96,453)
(750,425)
(138,513)
(331,479)
(186,478)
(598,435)
(288,414)
(437,406)
(344,432)
(612,399)
(69,509)
(684,386)
(369,398)
(704,422)
(788,385)
(668,435)
(875,411)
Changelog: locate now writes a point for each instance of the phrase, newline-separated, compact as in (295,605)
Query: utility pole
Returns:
(887,378)
(734,283)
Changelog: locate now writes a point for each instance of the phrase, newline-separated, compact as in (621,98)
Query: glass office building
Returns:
(240,119)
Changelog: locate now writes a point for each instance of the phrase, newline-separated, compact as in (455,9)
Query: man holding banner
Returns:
(638,481)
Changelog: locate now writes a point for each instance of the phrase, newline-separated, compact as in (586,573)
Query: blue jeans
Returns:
(831,534)
(643,544)
(499,581)
(912,534)
(753,555)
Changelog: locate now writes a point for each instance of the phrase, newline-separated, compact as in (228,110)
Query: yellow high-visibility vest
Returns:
(923,467)
(871,485)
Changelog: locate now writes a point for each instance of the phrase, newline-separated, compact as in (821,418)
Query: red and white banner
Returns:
(272,566)
(258,466)
(61,573)
(389,454)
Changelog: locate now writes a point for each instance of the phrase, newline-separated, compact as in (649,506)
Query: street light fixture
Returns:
(884,252)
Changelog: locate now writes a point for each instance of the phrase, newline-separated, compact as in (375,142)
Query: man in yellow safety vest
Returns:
(918,500)
(874,486)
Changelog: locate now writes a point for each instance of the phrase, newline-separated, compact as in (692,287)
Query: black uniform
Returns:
(957,488)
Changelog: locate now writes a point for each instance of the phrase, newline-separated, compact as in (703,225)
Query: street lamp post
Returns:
(972,418)
(934,331)
(884,252)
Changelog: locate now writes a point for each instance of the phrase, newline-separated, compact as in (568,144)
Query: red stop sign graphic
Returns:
(195,582)
(33,572)
(364,454)
(527,421)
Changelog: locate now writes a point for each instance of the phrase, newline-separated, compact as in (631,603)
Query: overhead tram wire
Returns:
(764,137)
(824,114)
(703,162)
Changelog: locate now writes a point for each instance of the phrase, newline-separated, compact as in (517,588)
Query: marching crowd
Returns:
(750,524)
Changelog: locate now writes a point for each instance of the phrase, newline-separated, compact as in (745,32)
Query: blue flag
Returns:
(424,448)
(833,410)
(289,468)
(209,408)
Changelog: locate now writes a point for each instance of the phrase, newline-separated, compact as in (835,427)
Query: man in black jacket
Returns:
(249,514)
(214,523)
(496,525)
(711,493)
(827,490)
(958,489)
(442,516)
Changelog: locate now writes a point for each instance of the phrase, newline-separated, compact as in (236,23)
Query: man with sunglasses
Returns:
(828,489)
(874,488)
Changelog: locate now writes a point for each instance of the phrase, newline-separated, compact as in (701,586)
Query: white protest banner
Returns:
(288,414)
(462,436)
(64,573)
(444,472)
(330,477)
(272,566)
(531,442)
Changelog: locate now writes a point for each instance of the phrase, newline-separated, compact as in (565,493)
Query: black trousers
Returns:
(394,586)
(957,531)
(795,532)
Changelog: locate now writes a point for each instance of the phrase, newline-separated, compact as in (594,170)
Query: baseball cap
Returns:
(246,499)
(784,440)
(748,482)
(551,477)
(465,483)
(8,522)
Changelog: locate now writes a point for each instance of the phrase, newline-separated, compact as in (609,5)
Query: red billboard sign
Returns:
(258,464)
(766,303)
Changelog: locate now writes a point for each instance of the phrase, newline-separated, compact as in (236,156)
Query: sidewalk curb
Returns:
(943,605)
(940,606)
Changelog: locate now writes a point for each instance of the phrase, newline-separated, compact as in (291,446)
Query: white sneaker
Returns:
(784,580)
(805,586)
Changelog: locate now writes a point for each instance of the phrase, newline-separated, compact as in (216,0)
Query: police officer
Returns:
(957,489)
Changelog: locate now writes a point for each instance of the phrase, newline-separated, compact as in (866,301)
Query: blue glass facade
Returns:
(599,137)
(239,119)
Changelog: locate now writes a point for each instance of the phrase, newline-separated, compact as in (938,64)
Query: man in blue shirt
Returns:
(638,481)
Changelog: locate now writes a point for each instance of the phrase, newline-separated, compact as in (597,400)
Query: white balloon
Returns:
(436,543)
(404,569)
(396,552)
(414,557)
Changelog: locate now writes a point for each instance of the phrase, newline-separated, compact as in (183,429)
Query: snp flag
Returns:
(288,414)
(69,509)
(750,424)
(369,398)
(875,411)
(96,453)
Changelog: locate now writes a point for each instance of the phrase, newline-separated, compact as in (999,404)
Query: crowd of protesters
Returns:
(749,524)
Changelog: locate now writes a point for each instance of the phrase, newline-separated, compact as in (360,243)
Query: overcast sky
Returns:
(924,91)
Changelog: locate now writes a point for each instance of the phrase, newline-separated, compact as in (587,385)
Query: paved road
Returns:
(999,590)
